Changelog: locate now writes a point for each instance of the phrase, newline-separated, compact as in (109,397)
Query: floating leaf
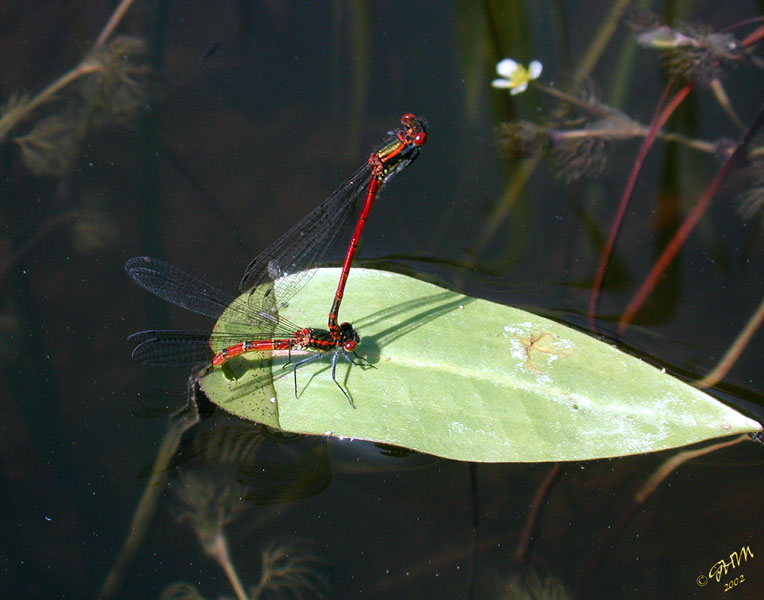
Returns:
(469,379)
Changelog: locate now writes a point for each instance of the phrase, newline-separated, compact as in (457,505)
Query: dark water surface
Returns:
(254,112)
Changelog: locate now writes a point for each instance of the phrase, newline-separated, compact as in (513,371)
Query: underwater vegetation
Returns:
(221,515)
(579,133)
(109,86)
(211,497)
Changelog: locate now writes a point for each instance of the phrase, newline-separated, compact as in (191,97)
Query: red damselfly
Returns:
(247,330)
(305,244)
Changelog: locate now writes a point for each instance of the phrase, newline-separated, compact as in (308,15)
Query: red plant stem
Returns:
(658,121)
(685,229)
(754,37)
(521,550)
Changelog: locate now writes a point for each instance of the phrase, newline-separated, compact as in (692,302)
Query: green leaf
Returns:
(469,379)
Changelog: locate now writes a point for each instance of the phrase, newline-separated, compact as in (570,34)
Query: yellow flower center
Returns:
(519,76)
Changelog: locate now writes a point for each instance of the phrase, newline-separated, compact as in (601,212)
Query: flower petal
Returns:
(534,69)
(501,83)
(519,89)
(506,67)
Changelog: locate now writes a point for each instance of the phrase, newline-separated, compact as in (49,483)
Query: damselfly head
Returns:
(348,337)
(416,130)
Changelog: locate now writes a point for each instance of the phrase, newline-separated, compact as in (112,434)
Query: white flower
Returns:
(515,76)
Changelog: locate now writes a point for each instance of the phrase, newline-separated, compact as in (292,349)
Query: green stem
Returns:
(734,351)
(112,23)
(223,558)
(636,131)
(18,113)
(178,424)
(594,108)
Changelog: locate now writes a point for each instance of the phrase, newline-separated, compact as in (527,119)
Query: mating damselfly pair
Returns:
(252,321)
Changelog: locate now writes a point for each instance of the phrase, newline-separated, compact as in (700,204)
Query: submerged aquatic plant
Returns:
(690,51)
(210,493)
(577,142)
(695,56)
(181,591)
(108,86)
(577,157)
(93,228)
(752,200)
(212,496)
(50,147)
(289,571)
(577,136)
(520,139)
(529,585)
(117,92)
